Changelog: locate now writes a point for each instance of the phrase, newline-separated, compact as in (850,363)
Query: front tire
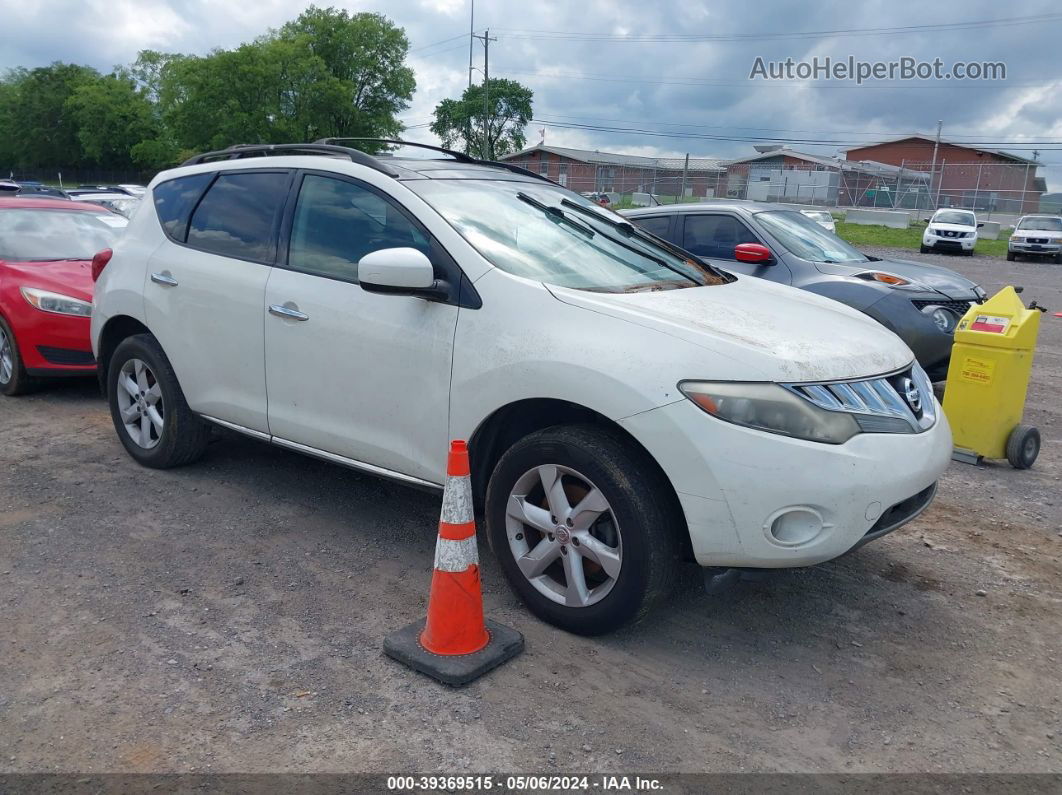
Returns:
(148,408)
(923,249)
(1011,256)
(583,527)
(13,377)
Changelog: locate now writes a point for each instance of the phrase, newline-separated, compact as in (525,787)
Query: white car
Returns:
(626,407)
(1036,235)
(951,230)
(822,218)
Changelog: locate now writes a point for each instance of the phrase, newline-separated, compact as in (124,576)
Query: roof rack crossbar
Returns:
(460,157)
(238,151)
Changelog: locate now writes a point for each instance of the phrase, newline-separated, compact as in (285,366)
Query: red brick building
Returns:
(586,171)
(965,176)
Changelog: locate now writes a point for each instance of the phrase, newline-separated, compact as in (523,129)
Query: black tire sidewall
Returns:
(20,382)
(635,504)
(168,451)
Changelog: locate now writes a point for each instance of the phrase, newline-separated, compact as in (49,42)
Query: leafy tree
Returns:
(112,117)
(44,127)
(364,54)
(489,126)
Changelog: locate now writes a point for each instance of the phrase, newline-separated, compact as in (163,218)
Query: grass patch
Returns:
(910,238)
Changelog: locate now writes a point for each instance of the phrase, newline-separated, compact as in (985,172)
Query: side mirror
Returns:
(400,271)
(980,224)
(754,253)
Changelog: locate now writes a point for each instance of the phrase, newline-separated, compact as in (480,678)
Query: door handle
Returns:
(288,311)
(164,278)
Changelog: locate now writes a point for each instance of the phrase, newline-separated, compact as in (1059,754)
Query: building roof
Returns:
(862,166)
(785,152)
(596,157)
(932,138)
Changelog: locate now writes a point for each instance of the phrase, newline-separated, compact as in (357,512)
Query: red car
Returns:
(46,248)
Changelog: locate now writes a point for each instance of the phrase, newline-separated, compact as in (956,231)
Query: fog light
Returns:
(793,526)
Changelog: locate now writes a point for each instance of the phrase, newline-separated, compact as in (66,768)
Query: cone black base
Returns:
(459,669)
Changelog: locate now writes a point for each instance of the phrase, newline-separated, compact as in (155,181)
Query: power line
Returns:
(549,117)
(518,33)
(1053,146)
(695,81)
(441,41)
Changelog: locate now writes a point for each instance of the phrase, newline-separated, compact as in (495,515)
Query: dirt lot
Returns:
(229,617)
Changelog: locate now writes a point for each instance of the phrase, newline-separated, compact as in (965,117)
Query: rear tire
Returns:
(148,408)
(589,571)
(13,377)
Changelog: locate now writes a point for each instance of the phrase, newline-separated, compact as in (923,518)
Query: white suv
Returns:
(626,405)
(951,230)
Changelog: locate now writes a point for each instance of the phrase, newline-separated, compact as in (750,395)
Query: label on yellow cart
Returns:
(977,370)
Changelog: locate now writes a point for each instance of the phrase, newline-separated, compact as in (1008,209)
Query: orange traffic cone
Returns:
(456,644)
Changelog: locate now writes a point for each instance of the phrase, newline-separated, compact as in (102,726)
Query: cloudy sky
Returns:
(637,66)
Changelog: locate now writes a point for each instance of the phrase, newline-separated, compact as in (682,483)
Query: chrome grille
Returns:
(879,405)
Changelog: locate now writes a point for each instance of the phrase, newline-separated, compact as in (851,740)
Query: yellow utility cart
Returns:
(988,378)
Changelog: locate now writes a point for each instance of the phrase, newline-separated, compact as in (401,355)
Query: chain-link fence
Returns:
(74,176)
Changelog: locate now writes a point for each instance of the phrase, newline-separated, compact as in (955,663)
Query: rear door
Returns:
(205,288)
(713,236)
(362,375)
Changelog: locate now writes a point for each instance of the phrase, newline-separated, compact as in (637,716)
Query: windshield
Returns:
(1043,224)
(31,234)
(815,215)
(552,235)
(801,236)
(953,217)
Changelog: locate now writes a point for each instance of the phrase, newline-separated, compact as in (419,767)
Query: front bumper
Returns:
(51,344)
(735,484)
(1043,249)
(948,243)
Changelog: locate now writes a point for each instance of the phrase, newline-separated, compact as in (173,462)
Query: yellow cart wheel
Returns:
(1023,445)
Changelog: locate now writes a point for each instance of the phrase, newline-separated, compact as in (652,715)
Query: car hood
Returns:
(71,277)
(771,332)
(1037,233)
(936,279)
(952,227)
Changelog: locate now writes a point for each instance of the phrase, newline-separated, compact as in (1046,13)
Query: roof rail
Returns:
(460,157)
(239,151)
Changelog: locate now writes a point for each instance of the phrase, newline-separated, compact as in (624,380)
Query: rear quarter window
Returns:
(174,200)
(655,225)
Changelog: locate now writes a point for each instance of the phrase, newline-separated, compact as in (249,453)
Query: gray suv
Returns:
(921,303)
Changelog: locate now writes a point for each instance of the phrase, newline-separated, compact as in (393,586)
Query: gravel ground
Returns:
(229,617)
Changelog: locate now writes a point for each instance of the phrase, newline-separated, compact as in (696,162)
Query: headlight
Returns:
(56,303)
(1016,239)
(891,279)
(769,407)
(944,319)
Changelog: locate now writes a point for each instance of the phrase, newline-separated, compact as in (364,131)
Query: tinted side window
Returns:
(657,225)
(715,235)
(238,215)
(337,223)
(174,200)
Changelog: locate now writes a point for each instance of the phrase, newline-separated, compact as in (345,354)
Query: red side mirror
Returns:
(99,262)
(753,252)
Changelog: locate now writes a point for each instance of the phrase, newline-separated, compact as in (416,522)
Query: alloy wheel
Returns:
(7,358)
(564,535)
(140,403)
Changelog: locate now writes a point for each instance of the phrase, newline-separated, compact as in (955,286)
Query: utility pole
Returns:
(471,43)
(685,173)
(933,168)
(486,149)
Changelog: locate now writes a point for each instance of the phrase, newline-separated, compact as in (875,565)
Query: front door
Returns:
(713,236)
(362,375)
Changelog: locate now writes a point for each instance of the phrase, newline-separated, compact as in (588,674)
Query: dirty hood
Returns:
(767,331)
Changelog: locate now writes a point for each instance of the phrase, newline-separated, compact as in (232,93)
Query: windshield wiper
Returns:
(556,214)
(629,229)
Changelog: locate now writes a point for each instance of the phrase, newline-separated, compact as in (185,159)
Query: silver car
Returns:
(1036,235)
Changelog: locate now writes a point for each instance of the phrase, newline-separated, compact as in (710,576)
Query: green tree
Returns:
(44,127)
(112,116)
(489,126)
(364,54)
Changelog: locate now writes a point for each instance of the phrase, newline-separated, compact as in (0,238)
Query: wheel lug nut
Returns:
(553,518)
(575,541)
(564,550)
(550,536)
(569,522)
(519,536)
